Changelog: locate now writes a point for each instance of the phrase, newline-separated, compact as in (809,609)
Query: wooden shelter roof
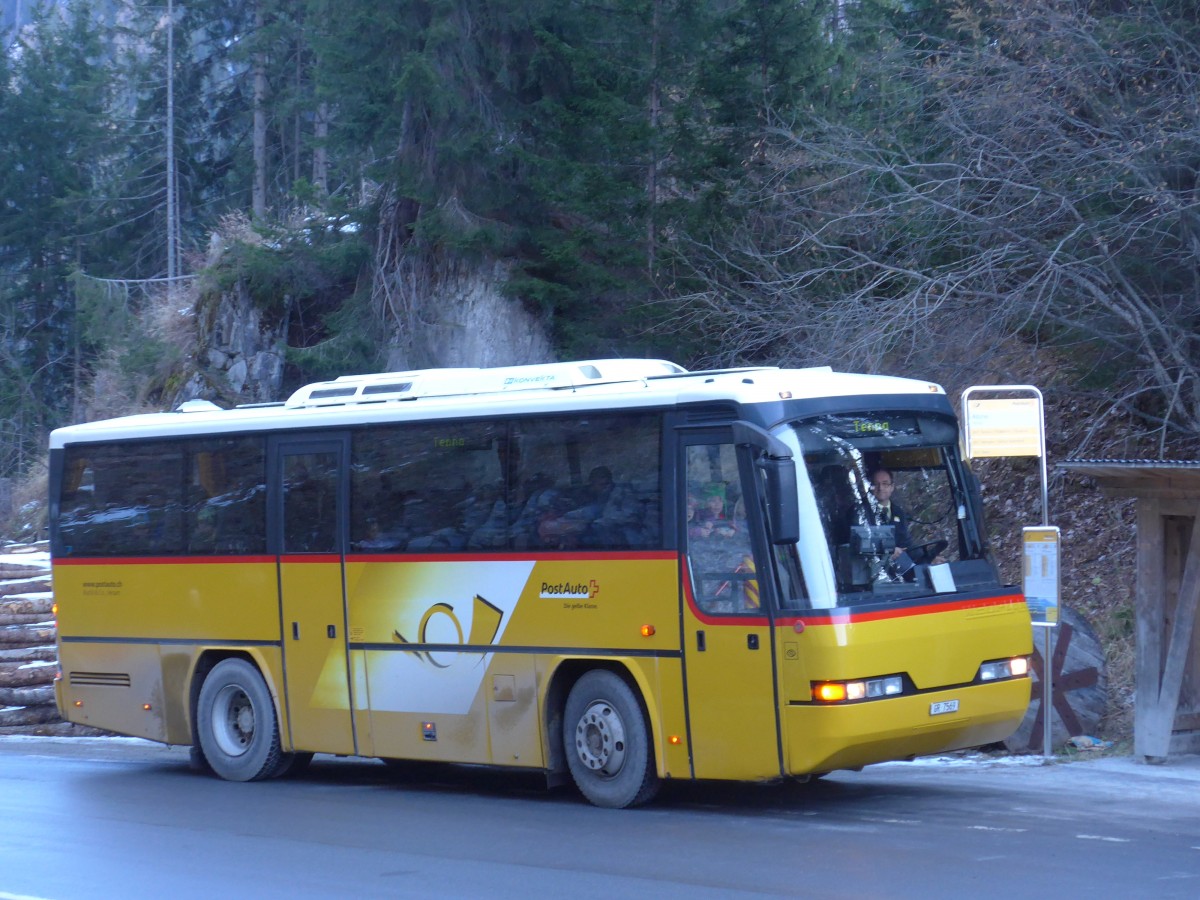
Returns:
(1140,477)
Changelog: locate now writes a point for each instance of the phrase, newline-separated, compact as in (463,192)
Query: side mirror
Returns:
(783,513)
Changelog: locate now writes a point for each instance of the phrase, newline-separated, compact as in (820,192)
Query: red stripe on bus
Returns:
(157,560)
(850,617)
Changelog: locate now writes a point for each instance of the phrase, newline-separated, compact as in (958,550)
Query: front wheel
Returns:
(607,742)
(236,723)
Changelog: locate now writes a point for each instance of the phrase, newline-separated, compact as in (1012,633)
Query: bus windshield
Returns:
(889,496)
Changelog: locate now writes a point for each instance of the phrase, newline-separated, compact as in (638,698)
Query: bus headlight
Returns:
(1004,668)
(867,689)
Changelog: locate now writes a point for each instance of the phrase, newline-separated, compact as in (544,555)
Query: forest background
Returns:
(968,191)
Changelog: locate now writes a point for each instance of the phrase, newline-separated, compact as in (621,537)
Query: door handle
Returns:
(700,641)
(331,630)
(752,641)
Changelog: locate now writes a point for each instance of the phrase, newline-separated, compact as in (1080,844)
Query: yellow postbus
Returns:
(614,571)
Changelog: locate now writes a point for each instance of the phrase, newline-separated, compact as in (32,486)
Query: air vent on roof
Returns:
(330,393)
(461,382)
(390,388)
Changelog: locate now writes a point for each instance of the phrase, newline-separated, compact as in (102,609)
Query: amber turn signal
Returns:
(829,692)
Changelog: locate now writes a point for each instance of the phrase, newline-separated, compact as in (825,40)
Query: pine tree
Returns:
(55,144)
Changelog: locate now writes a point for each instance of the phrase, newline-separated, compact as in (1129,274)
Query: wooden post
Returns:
(1148,623)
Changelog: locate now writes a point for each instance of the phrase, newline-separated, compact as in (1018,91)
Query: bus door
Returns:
(727,642)
(309,484)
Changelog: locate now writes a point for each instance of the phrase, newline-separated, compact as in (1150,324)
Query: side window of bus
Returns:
(310,502)
(587,482)
(121,500)
(428,488)
(226,510)
(547,483)
(721,559)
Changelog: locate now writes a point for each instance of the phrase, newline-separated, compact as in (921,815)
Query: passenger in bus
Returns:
(714,511)
(486,520)
(538,493)
(567,519)
(713,508)
(722,563)
(620,517)
(697,526)
(609,517)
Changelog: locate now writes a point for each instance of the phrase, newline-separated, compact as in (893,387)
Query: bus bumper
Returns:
(846,736)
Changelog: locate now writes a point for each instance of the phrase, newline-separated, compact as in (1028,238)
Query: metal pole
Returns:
(1047,693)
(1047,675)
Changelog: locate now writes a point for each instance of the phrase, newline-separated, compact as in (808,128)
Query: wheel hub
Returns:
(600,738)
(233,721)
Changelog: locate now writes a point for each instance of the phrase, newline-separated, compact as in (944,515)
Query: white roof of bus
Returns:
(458,393)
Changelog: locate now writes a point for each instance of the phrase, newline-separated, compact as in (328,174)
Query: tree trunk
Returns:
(259,192)
(320,152)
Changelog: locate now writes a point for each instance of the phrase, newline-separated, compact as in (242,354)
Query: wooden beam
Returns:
(1148,739)
(1180,647)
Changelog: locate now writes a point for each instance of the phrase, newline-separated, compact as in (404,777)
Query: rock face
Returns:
(241,352)
(448,314)
(459,316)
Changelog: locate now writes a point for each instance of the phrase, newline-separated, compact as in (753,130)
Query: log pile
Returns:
(28,656)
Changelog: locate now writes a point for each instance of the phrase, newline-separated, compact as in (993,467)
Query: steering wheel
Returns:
(925,553)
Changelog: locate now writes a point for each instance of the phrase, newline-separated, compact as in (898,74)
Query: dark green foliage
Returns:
(317,264)
(54,137)
(352,344)
(615,157)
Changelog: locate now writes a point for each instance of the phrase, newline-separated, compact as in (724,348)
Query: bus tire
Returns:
(236,723)
(607,742)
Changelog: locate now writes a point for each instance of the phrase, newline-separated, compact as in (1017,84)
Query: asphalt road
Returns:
(100,818)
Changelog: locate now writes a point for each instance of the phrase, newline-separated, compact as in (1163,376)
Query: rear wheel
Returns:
(237,725)
(607,742)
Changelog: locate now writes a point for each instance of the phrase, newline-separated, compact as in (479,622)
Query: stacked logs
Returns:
(28,658)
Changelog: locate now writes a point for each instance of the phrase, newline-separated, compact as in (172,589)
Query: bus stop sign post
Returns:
(1015,425)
